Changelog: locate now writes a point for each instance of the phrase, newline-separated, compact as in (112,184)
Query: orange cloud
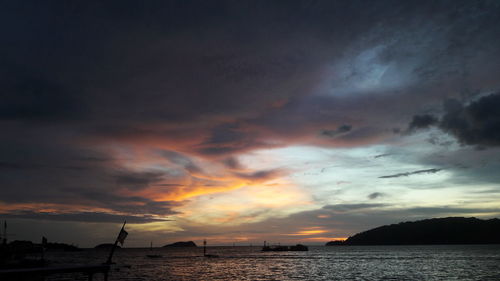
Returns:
(307,232)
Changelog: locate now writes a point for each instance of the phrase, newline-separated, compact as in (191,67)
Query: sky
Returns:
(244,121)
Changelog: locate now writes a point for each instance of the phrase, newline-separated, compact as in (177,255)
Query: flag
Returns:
(121,237)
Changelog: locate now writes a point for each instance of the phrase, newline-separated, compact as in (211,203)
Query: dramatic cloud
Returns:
(238,113)
(477,123)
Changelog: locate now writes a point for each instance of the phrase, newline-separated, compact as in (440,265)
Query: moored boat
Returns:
(298,247)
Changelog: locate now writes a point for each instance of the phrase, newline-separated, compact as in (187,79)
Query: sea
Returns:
(430,262)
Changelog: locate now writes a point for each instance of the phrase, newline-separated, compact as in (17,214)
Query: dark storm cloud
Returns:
(178,62)
(476,123)
(81,217)
(83,20)
(406,174)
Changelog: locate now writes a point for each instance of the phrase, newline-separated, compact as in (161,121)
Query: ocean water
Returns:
(441,262)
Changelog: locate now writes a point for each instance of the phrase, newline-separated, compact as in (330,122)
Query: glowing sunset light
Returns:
(308,232)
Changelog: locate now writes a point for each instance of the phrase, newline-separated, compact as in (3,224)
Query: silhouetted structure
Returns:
(298,247)
(205,251)
(452,230)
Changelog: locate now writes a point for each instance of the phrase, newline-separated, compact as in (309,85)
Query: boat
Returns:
(279,248)
(153,256)
(299,247)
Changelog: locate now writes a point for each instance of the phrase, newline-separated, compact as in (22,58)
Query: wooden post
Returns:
(204,247)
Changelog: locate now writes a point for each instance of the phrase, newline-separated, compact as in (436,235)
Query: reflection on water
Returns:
(453,262)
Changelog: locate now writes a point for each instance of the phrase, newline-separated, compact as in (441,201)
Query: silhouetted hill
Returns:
(452,230)
(182,244)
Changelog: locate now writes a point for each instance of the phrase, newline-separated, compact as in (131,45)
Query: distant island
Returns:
(451,230)
(182,244)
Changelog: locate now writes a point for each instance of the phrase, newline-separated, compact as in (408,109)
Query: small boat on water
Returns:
(153,256)
(298,247)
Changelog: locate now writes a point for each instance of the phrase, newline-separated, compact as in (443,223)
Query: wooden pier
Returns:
(39,273)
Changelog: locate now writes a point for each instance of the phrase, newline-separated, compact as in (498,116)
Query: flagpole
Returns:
(114,245)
